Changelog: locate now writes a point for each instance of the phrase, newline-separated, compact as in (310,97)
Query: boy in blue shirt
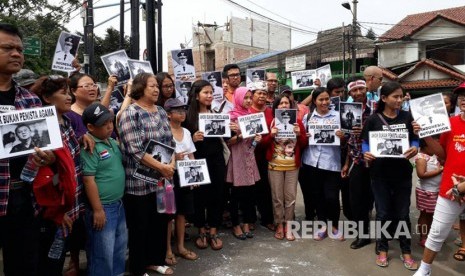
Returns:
(104,182)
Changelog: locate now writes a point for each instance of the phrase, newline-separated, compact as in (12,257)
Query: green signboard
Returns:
(32,46)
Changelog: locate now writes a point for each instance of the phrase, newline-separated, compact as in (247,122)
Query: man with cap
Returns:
(66,54)
(183,69)
(25,78)
(19,229)
(360,194)
(272,84)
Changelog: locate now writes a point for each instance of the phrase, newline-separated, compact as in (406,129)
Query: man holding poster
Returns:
(19,230)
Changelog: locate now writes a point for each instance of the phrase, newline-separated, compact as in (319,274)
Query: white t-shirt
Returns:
(186,144)
(430,184)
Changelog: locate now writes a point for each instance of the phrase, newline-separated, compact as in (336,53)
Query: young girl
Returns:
(283,157)
(185,149)
(207,198)
(321,165)
(242,169)
(429,173)
(391,178)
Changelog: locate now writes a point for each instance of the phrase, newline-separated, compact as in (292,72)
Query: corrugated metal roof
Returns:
(260,57)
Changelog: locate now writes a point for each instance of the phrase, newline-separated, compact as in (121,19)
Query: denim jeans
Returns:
(106,249)
(392,201)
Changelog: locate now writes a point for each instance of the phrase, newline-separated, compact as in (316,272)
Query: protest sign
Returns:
(215,125)
(193,172)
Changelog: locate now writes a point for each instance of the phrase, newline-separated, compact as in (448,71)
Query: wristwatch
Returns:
(456,192)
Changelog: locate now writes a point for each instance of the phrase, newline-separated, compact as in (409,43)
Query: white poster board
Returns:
(390,144)
(431,114)
(65,51)
(252,124)
(193,172)
(215,125)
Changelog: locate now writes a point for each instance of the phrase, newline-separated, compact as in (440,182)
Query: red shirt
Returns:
(453,143)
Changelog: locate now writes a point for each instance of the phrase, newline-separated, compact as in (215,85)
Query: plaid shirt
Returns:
(69,140)
(23,100)
(354,143)
(136,128)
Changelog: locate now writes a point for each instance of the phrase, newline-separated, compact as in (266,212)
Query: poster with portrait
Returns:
(160,152)
(139,66)
(254,75)
(252,124)
(193,172)
(323,134)
(65,52)
(324,74)
(214,78)
(116,64)
(303,79)
(117,98)
(182,90)
(351,115)
(334,104)
(21,131)
(183,64)
(284,120)
(431,114)
(215,125)
(390,144)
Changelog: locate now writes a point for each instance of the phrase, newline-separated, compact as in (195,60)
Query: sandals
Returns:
(409,264)
(460,255)
(171,260)
(201,241)
(279,232)
(164,270)
(338,236)
(214,242)
(382,261)
(320,235)
(188,255)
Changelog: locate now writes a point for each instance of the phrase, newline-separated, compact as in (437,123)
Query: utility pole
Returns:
(134,51)
(150,26)
(343,52)
(121,24)
(159,39)
(354,38)
(89,37)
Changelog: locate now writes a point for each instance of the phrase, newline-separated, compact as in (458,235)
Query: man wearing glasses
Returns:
(272,84)
(232,74)
(19,229)
(373,77)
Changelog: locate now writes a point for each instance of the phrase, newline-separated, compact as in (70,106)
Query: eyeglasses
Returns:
(167,86)
(234,75)
(7,48)
(88,86)
(461,98)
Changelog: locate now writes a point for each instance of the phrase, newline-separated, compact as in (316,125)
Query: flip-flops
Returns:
(321,235)
(214,244)
(171,260)
(161,269)
(188,255)
(460,255)
(409,264)
(201,241)
(382,261)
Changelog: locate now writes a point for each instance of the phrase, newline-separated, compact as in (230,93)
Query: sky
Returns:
(311,15)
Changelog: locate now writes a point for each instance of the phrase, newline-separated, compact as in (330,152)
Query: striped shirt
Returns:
(136,128)
(23,100)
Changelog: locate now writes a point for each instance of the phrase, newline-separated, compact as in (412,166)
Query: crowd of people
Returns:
(105,209)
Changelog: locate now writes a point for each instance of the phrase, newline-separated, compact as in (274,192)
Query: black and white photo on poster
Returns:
(215,125)
(390,144)
(117,97)
(303,79)
(254,75)
(65,52)
(183,64)
(23,130)
(334,103)
(182,90)
(351,115)
(323,134)
(160,152)
(214,78)
(431,114)
(193,172)
(252,124)
(284,120)
(324,74)
(139,66)
(116,64)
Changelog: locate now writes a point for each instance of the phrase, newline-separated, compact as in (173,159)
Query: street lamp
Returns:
(354,33)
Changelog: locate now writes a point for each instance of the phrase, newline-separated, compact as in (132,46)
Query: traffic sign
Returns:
(32,46)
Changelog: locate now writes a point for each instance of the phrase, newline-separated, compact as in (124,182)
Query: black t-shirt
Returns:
(390,167)
(7,102)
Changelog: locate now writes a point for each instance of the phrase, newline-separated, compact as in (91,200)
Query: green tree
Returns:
(371,34)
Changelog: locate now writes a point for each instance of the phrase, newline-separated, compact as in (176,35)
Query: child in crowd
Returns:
(185,149)
(429,172)
(104,181)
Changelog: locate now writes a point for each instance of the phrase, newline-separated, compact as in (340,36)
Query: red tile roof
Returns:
(415,22)
(433,64)
(431,84)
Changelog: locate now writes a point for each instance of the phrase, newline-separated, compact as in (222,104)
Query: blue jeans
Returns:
(106,249)
(392,202)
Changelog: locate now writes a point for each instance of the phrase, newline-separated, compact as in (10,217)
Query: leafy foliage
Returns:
(371,34)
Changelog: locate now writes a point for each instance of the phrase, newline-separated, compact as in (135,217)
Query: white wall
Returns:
(396,54)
